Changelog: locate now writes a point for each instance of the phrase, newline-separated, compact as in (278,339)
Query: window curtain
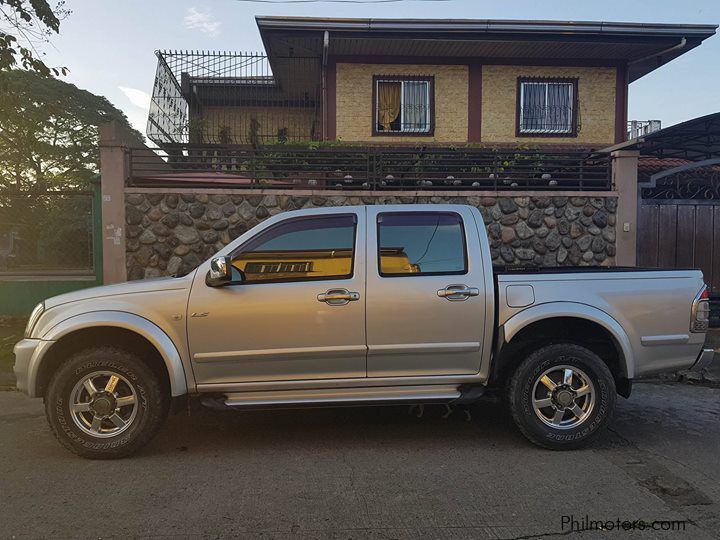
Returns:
(415,99)
(388,103)
(559,104)
(547,107)
(533,113)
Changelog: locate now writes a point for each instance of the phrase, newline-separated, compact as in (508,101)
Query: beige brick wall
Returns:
(298,121)
(354,105)
(354,108)
(596,94)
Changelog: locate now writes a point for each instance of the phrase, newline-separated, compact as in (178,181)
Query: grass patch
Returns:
(11,331)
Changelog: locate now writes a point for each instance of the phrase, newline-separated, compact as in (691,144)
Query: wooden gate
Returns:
(679,220)
(681,234)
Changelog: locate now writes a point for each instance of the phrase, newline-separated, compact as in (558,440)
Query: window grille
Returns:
(547,107)
(403,105)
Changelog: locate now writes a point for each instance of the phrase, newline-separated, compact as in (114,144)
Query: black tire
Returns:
(522,388)
(151,398)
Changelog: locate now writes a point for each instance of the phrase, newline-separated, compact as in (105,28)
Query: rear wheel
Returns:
(105,403)
(562,396)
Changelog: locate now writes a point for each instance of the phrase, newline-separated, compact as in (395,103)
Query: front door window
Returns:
(299,250)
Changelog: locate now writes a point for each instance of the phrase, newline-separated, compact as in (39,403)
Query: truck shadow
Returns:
(398,428)
(199,429)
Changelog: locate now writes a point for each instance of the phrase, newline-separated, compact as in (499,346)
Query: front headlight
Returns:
(34,316)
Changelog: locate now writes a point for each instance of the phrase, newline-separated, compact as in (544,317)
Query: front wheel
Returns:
(105,403)
(562,396)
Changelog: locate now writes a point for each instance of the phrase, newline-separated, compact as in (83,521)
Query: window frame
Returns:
(466,261)
(430,79)
(573,81)
(351,275)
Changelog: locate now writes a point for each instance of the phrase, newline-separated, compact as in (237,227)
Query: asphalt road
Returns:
(368,473)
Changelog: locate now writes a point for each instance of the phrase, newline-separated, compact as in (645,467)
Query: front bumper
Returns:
(25,351)
(703,360)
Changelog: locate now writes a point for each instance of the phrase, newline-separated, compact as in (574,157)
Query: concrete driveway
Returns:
(368,473)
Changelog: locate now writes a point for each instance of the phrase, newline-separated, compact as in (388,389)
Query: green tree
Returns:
(48,153)
(48,132)
(25,25)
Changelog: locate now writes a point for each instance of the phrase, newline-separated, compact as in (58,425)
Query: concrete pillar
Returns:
(114,171)
(624,177)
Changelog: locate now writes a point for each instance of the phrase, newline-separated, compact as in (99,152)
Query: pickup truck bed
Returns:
(513,269)
(627,298)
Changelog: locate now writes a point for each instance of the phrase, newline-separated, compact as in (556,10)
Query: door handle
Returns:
(458,292)
(338,297)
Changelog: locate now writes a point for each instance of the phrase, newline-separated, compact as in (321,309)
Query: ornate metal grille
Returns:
(546,106)
(403,105)
(234,98)
(694,184)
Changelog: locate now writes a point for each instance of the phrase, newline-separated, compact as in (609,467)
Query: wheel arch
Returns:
(555,320)
(107,327)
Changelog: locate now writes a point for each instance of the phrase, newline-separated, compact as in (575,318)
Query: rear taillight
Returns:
(700,319)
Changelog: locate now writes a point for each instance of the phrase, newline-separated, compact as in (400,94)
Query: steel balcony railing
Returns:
(379,168)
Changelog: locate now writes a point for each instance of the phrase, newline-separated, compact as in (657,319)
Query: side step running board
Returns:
(344,396)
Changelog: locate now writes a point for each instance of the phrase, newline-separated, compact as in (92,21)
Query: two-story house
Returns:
(522,119)
(440,82)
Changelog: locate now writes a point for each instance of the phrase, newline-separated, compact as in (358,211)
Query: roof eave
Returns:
(664,35)
(485,26)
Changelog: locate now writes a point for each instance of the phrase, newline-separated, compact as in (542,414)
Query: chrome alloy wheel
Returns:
(563,397)
(103,404)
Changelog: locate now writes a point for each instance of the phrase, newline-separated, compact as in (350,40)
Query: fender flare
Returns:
(575,310)
(116,319)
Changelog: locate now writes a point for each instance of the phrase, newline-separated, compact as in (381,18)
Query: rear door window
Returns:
(421,244)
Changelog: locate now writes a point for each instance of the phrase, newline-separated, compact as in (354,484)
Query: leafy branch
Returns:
(48,132)
(26,26)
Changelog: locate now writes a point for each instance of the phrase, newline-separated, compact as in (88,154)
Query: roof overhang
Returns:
(642,47)
(695,140)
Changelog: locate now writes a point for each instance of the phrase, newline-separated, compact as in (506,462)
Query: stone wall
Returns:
(174,232)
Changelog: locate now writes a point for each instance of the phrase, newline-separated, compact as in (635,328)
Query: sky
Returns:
(108,46)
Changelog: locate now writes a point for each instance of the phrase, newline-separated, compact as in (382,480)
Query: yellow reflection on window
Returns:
(289,264)
(396,261)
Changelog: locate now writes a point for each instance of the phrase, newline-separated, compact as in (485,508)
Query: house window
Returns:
(403,105)
(547,107)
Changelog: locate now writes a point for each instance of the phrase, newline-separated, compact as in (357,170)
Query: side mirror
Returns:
(220,272)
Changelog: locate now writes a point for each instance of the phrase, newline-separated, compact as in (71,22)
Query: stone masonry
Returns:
(174,232)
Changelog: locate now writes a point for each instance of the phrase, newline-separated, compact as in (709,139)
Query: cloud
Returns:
(137,97)
(137,119)
(203,21)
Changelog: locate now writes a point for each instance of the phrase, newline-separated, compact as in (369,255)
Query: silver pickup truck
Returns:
(359,305)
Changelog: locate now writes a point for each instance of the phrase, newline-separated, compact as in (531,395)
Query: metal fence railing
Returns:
(376,168)
(204,97)
(640,128)
(539,120)
(46,233)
